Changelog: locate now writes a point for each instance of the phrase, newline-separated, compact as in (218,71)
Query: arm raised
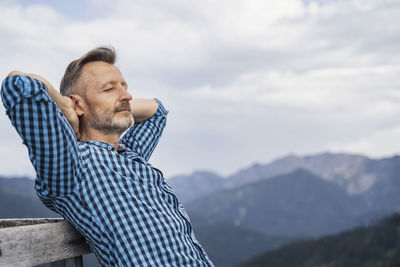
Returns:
(44,129)
(64,103)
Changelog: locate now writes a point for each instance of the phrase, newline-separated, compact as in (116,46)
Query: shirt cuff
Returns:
(161,109)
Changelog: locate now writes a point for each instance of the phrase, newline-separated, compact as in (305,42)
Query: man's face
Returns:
(106,98)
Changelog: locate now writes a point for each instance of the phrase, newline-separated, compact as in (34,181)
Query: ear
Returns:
(79,104)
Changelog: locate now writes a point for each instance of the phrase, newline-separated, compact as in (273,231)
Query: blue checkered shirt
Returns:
(119,202)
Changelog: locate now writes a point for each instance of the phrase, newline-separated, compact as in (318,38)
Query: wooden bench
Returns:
(30,242)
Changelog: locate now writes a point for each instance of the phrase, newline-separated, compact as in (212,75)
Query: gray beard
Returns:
(109,125)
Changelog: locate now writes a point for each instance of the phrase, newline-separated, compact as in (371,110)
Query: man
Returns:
(102,184)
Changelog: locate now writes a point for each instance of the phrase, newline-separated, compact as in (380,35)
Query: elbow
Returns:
(14,72)
(11,89)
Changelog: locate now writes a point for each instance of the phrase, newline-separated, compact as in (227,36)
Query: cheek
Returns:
(102,103)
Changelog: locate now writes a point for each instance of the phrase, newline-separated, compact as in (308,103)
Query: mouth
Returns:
(123,108)
(123,111)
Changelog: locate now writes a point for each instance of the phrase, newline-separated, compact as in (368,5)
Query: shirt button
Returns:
(109,148)
(121,147)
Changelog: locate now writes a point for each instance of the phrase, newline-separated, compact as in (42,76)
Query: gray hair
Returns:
(74,69)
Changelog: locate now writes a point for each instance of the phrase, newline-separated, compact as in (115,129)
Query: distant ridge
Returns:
(18,199)
(377,245)
(356,174)
(346,170)
(297,204)
(198,184)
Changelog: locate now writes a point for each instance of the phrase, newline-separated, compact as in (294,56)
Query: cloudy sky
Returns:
(245,80)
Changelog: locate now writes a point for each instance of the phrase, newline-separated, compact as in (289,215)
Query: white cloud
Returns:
(382,143)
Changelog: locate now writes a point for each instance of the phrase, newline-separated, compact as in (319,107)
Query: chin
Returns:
(123,124)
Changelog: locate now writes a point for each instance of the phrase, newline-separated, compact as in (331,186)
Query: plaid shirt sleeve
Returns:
(51,142)
(143,137)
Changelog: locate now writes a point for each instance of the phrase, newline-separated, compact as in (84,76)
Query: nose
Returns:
(125,95)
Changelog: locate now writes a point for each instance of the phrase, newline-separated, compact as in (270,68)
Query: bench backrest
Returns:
(29,242)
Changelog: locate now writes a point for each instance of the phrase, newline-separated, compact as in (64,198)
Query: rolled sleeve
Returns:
(144,136)
(19,87)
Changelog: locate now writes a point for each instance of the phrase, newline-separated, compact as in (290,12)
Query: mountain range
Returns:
(358,175)
(296,197)
(19,200)
(297,204)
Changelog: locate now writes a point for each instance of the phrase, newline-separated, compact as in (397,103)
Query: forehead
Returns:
(100,72)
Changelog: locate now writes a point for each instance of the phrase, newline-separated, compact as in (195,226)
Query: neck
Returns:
(96,135)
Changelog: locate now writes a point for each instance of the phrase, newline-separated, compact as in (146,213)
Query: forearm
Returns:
(53,93)
(143,108)
(56,96)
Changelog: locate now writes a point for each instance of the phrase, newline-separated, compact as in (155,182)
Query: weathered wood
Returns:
(71,262)
(4,223)
(41,243)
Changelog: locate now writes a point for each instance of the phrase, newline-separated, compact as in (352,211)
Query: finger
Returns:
(78,135)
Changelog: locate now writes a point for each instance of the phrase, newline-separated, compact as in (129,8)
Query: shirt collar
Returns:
(121,147)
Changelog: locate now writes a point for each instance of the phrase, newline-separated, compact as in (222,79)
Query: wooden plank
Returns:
(4,223)
(42,243)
